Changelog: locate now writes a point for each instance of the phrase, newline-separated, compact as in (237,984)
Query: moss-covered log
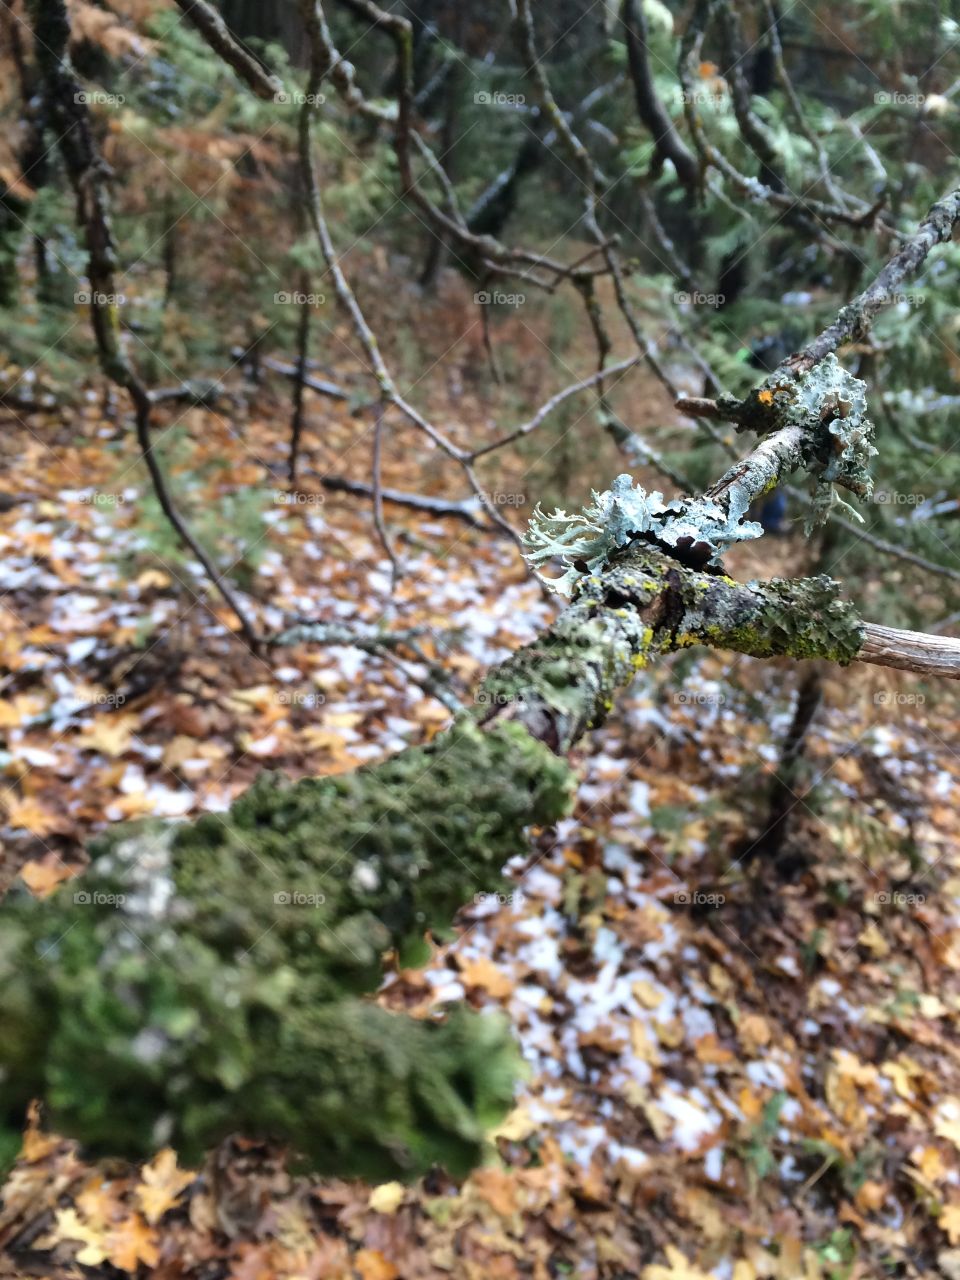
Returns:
(203,979)
(207,978)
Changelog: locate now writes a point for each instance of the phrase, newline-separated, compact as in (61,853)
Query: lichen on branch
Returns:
(700,529)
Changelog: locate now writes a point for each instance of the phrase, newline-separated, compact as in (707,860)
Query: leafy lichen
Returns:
(585,541)
(831,404)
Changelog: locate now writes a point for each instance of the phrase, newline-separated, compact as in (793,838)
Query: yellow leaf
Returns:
(679,1268)
(42,875)
(70,1227)
(29,815)
(153,578)
(518,1125)
(161,1186)
(949,1221)
(387,1198)
(109,734)
(647,994)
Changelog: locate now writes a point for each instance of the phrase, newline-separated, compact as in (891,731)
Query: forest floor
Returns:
(736,1069)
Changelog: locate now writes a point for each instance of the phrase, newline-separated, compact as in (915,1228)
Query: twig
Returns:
(219,37)
(299,381)
(88,177)
(668,145)
(378,519)
(466,509)
(855,319)
(554,402)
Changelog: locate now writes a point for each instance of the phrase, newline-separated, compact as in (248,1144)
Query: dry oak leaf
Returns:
(29,815)
(483,973)
(949,1221)
(131,1242)
(162,1185)
(754,1033)
(109,734)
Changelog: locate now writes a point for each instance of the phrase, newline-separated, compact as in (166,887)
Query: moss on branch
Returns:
(645,603)
(202,979)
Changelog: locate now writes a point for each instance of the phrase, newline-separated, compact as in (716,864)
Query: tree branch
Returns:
(221,39)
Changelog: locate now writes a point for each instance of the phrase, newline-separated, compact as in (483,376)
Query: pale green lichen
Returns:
(797,618)
(585,541)
(831,406)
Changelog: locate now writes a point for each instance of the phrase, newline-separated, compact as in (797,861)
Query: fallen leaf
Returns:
(372,1265)
(162,1185)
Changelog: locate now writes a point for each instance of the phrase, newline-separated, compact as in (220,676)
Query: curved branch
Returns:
(667,141)
(222,40)
(87,174)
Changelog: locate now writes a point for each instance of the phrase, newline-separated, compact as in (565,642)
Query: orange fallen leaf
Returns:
(162,1185)
(42,875)
(485,974)
(131,1242)
(372,1265)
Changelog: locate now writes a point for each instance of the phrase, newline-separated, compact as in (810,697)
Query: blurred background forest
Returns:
(331,394)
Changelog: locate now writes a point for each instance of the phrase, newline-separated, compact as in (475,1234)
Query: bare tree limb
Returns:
(668,145)
(219,37)
(88,177)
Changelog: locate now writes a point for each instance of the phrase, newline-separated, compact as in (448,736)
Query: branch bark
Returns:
(221,39)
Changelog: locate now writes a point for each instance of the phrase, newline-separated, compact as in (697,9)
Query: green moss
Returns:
(199,979)
(796,618)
